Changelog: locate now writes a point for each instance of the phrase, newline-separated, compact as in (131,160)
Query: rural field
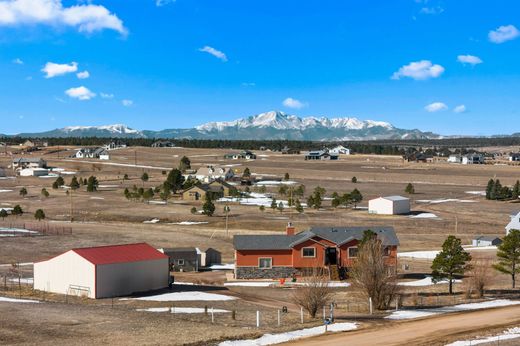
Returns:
(448,200)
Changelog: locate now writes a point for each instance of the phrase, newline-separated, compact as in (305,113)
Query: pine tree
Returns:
(3,213)
(280,207)
(489,188)
(298,206)
(39,215)
(184,164)
(509,255)
(354,180)
(274,205)
(92,184)
(409,189)
(356,197)
(451,261)
(74,184)
(23,192)
(286,176)
(45,193)
(174,180)
(515,193)
(246,173)
(17,210)
(208,208)
(145,177)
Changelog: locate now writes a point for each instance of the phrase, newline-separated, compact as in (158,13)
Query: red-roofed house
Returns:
(103,271)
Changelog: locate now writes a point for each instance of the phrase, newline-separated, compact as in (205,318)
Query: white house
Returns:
(455,158)
(390,205)
(92,153)
(472,159)
(514,157)
(340,150)
(514,223)
(209,174)
(104,271)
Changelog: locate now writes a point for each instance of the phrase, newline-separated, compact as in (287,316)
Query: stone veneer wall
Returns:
(257,273)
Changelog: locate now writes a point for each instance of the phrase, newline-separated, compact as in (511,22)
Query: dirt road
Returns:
(429,331)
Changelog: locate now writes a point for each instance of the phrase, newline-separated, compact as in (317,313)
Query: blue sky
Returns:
(450,67)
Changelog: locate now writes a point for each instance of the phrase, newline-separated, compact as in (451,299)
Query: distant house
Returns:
(486,241)
(455,158)
(418,157)
(217,189)
(274,256)
(24,162)
(163,144)
(340,150)
(288,151)
(514,223)
(34,143)
(115,145)
(208,174)
(245,154)
(472,159)
(390,205)
(92,153)
(320,155)
(514,157)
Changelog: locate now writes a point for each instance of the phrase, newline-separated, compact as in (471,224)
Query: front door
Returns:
(331,257)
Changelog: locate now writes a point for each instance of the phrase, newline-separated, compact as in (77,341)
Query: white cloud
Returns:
(436,107)
(248,84)
(460,109)
(81,93)
(503,33)
(293,103)
(18,61)
(215,52)
(432,10)
(106,96)
(86,18)
(469,59)
(160,3)
(127,103)
(52,69)
(83,75)
(419,70)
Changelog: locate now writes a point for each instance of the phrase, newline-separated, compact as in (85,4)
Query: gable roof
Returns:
(120,253)
(337,235)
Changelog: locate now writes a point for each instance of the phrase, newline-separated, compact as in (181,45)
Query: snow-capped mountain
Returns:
(272,125)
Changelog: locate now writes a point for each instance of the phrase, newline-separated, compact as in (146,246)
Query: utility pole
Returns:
(71,207)
(226,211)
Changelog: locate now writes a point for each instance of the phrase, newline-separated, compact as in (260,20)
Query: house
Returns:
(163,144)
(34,143)
(245,154)
(486,241)
(390,205)
(217,189)
(103,271)
(33,172)
(288,151)
(514,223)
(455,158)
(183,259)
(274,256)
(2,173)
(115,145)
(194,193)
(208,174)
(472,159)
(418,157)
(320,155)
(514,157)
(23,162)
(340,150)
(92,153)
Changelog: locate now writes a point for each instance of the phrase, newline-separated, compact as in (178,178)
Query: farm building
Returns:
(390,205)
(33,172)
(191,258)
(320,155)
(104,271)
(273,256)
(514,223)
(486,241)
(340,150)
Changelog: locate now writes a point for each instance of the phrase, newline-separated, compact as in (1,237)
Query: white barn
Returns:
(390,205)
(514,223)
(105,271)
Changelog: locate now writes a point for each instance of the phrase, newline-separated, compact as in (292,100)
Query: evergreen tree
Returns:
(346,199)
(148,194)
(298,206)
(17,210)
(274,205)
(282,190)
(409,189)
(336,202)
(3,213)
(125,177)
(451,261)
(489,189)
(356,197)
(145,177)
(45,193)
(286,176)
(39,215)
(246,173)
(184,164)
(509,255)
(59,182)
(515,193)
(208,207)
(280,207)
(127,193)
(23,192)
(193,210)
(354,180)
(74,184)
(92,184)
(174,180)
(261,208)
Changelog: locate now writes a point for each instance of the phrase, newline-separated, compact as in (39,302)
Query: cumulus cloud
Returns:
(215,52)
(81,93)
(127,103)
(503,33)
(436,107)
(106,96)
(18,61)
(460,109)
(293,103)
(83,75)
(469,59)
(86,18)
(52,69)
(419,70)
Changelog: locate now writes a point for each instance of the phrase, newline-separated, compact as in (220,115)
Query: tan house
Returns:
(218,189)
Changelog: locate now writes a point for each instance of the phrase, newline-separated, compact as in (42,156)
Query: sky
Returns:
(450,67)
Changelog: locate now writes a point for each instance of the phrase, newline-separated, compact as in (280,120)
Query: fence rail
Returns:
(32,229)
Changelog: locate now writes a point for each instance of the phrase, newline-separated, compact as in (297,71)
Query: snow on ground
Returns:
(225,266)
(152,221)
(176,310)
(255,198)
(276,182)
(277,283)
(6,190)
(446,200)
(512,333)
(410,314)
(272,339)
(424,216)
(12,232)
(20,264)
(48,176)
(184,296)
(107,186)
(97,197)
(15,300)
(478,193)
(157,202)
(28,281)
(430,254)
(427,281)
(189,223)
(471,248)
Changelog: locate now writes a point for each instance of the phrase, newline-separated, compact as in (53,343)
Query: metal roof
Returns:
(120,253)
(396,198)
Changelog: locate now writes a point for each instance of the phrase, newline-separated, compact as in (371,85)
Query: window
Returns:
(309,252)
(386,251)
(352,251)
(265,263)
(180,262)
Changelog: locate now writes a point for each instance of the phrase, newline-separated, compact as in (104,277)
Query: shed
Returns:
(103,271)
(486,241)
(186,259)
(390,205)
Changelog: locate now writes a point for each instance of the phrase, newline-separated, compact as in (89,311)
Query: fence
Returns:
(32,229)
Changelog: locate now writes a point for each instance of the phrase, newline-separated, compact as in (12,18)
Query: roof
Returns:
(396,198)
(337,235)
(120,253)
(27,159)
(487,238)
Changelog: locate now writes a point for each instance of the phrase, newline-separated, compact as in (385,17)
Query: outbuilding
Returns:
(390,205)
(103,271)
(486,241)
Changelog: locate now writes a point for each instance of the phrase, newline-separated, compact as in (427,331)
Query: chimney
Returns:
(290,229)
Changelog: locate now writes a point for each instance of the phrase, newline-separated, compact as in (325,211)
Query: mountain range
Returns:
(271,125)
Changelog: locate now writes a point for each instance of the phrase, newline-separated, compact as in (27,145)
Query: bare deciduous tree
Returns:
(314,293)
(479,276)
(372,276)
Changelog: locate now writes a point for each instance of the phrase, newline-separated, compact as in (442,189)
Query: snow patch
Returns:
(155,220)
(419,254)
(6,190)
(427,281)
(512,333)
(276,182)
(15,300)
(188,223)
(226,266)
(445,200)
(184,296)
(424,216)
(478,193)
(176,310)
